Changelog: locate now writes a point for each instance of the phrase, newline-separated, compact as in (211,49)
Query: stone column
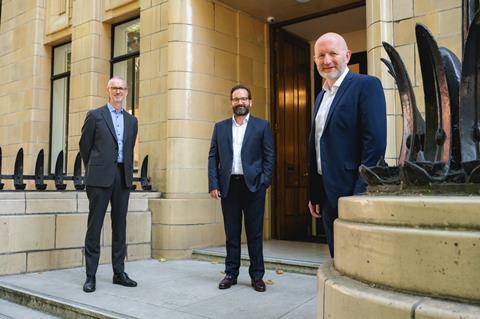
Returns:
(380,28)
(90,66)
(24,84)
(203,53)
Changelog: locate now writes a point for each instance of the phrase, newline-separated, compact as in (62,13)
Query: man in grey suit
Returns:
(106,146)
(240,168)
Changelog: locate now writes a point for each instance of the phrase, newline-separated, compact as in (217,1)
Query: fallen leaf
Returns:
(279,271)
(269,282)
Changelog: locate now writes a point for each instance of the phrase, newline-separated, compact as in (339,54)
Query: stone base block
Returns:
(423,246)
(341,297)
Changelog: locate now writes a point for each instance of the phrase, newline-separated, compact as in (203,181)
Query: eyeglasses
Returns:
(118,88)
(240,99)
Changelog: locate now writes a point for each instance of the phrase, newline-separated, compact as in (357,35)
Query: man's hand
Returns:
(215,194)
(314,209)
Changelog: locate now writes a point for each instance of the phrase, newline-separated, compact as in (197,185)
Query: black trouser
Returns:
(240,199)
(329,214)
(118,195)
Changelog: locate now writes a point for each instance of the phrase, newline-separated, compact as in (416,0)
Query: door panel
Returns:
(292,123)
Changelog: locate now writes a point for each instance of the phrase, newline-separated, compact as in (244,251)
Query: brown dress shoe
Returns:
(227,282)
(259,285)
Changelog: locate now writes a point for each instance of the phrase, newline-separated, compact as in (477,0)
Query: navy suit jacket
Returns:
(355,133)
(258,155)
(99,147)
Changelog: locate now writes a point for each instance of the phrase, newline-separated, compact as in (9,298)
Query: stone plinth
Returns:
(426,247)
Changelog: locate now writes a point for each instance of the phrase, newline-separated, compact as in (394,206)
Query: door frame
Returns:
(274,88)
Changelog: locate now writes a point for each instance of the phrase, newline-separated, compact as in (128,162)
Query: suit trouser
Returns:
(253,205)
(99,197)
(329,214)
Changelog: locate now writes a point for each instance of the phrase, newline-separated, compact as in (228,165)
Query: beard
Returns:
(334,75)
(240,110)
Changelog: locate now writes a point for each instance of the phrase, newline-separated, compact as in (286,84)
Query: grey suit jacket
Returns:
(99,147)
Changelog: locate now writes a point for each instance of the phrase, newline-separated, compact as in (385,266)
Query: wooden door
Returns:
(291,116)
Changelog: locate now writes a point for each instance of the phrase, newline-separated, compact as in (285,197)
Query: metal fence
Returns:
(59,177)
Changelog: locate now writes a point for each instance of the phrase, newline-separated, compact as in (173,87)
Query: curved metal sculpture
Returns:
(470,103)
(435,165)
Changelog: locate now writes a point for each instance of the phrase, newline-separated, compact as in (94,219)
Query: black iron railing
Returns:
(59,177)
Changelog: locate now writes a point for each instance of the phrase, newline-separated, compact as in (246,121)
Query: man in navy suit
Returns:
(348,129)
(240,167)
(106,146)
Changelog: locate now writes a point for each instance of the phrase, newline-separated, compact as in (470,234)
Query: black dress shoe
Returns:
(259,285)
(124,280)
(89,285)
(227,282)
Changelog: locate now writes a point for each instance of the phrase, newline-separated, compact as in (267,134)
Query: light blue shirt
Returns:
(117,119)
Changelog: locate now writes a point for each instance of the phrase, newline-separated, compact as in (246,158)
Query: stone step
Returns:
(10,310)
(273,263)
(53,305)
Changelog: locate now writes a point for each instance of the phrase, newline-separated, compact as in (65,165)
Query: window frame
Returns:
(53,78)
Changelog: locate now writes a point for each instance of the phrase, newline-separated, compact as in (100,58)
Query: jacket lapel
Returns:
(228,132)
(248,130)
(341,90)
(108,119)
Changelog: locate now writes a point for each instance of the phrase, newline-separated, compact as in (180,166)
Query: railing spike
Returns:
(144,179)
(39,176)
(59,175)
(18,171)
(77,173)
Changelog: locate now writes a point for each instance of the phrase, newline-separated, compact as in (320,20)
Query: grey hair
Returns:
(116,78)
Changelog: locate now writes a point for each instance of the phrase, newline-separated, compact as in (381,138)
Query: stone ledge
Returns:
(421,211)
(341,297)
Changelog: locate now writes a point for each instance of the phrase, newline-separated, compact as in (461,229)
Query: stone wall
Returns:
(46,230)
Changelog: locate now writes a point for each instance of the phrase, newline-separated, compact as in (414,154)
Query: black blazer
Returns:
(355,133)
(99,147)
(258,155)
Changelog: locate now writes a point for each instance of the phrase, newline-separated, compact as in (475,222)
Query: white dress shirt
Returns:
(322,114)
(238,132)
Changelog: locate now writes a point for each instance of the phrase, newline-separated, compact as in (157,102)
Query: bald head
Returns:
(332,38)
(331,56)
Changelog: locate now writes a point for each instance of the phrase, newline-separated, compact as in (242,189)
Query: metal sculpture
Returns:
(446,147)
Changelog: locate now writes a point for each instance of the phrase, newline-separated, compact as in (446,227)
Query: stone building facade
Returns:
(180,58)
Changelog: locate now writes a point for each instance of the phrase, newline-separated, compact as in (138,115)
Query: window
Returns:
(125,63)
(126,60)
(60,84)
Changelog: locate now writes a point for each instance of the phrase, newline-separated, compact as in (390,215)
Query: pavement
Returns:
(171,289)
